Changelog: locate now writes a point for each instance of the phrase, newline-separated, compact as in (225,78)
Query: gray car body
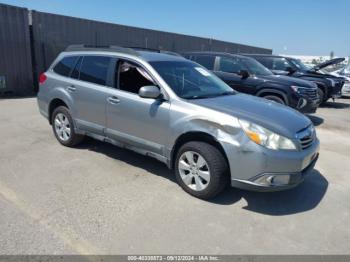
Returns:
(153,127)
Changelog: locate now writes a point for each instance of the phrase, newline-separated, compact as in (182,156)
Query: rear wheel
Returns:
(275,98)
(63,127)
(201,170)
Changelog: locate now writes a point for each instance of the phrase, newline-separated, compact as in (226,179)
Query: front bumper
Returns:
(257,168)
(303,103)
(346,88)
(307,106)
(275,181)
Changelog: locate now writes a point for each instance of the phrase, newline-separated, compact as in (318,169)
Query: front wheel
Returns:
(201,170)
(275,99)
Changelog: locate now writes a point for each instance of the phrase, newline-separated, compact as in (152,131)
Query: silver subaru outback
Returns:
(176,111)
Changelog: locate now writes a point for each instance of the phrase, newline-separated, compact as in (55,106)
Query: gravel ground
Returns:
(99,199)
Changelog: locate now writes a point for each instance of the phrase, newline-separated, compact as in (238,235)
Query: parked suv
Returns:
(329,86)
(176,111)
(246,75)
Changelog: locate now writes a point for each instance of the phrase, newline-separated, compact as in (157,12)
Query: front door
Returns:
(138,122)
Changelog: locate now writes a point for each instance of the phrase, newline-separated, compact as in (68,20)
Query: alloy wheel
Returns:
(62,127)
(194,170)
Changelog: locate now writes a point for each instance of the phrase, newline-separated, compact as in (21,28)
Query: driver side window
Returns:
(280,64)
(230,65)
(131,77)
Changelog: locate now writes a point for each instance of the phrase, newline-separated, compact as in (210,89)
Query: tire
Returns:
(320,95)
(63,127)
(274,98)
(191,178)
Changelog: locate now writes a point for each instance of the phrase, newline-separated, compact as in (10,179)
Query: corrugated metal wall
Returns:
(30,41)
(16,76)
(53,33)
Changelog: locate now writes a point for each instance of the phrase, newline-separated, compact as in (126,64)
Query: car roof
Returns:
(265,55)
(146,55)
(213,53)
(150,56)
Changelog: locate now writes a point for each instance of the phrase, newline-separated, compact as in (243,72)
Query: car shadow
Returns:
(300,199)
(132,158)
(335,105)
(317,121)
(304,197)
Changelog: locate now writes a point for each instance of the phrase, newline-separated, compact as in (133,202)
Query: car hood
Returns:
(275,117)
(328,63)
(288,81)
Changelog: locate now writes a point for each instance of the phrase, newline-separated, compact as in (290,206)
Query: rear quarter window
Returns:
(94,69)
(66,65)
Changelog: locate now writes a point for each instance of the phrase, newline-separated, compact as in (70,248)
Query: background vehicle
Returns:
(329,86)
(246,75)
(344,73)
(176,111)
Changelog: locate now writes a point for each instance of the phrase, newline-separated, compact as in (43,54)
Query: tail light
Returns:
(42,78)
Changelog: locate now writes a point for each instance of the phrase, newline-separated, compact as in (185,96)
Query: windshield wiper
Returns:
(227,93)
(211,95)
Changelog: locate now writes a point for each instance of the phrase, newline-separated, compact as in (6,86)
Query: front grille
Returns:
(306,137)
(309,92)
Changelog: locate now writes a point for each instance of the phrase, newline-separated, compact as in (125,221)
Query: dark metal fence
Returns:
(16,76)
(51,34)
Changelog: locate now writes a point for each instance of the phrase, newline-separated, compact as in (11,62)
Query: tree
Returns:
(332,55)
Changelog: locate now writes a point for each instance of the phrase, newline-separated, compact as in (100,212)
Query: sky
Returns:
(293,27)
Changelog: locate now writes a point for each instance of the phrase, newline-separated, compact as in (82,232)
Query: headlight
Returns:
(299,89)
(265,137)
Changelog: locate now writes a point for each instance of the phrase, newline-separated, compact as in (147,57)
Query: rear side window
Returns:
(66,65)
(94,69)
(206,61)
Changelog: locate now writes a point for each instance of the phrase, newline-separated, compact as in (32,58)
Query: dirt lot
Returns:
(104,200)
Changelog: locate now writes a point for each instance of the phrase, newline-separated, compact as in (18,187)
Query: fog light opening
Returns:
(273,180)
(301,103)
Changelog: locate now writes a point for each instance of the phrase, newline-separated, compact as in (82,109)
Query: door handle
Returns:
(113,100)
(71,88)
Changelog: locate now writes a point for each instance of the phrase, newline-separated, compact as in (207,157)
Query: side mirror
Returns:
(149,92)
(290,70)
(244,74)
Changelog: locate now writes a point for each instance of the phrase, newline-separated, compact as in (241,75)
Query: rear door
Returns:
(90,82)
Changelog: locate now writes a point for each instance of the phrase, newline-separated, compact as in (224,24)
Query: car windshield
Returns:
(299,64)
(190,80)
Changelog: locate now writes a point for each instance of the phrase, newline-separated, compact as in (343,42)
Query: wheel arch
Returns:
(269,91)
(54,103)
(193,136)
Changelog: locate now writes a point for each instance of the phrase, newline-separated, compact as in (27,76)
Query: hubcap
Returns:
(194,170)
(62,127)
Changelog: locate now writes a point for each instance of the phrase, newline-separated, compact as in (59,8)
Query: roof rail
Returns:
(155,50)
(108,48)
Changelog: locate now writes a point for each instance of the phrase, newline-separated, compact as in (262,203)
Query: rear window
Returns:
(206,61)
(66,65)
(94,69)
